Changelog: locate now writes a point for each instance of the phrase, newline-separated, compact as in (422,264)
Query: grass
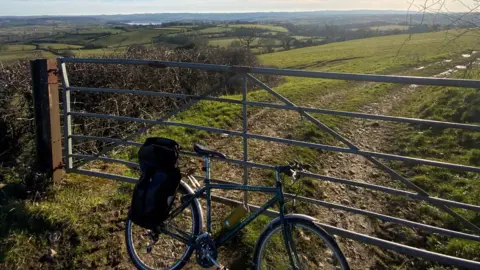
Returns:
(97,52)
(215,30)
(129,38)
(450,145)
(19,47)
(390,27)
(10,56)
(59,46)
(78,39)
(222,42)
(381,53)
(273,28)
(225,42)
(101,30)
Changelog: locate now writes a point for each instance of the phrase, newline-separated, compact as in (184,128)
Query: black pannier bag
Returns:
(155,191)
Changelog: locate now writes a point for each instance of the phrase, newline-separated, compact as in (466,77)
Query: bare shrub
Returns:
(16,111)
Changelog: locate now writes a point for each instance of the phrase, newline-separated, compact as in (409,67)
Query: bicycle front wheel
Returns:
(150,251)
(310,247)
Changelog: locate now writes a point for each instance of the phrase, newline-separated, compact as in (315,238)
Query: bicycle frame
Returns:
(222,239)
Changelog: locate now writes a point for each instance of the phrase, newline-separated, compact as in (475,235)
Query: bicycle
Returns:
(181,233)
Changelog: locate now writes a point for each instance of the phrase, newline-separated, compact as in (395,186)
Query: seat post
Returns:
(206,164)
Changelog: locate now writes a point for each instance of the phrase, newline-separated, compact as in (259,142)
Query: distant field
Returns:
(390,27)
(9,56)
(382,52)
(217,29)
(60,46)
(101,30)
(98,52)
(129,38)
(173,28)
(274,28)
(20,47)
(222,42)
(75,38)
(36,29)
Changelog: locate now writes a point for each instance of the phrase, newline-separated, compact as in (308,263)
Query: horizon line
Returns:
(222,12)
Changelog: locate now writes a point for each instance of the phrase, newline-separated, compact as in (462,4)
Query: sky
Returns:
(96,7)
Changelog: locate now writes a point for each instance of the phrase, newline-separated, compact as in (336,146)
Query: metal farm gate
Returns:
(247,74)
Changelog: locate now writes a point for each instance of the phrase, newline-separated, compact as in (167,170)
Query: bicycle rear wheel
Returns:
(312,247)
(149,251)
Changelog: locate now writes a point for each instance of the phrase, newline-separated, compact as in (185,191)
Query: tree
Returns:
(68,54)
(247,35)
(268,44)
(286,40)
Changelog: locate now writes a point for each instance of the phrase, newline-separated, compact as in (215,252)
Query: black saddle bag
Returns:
(156,189)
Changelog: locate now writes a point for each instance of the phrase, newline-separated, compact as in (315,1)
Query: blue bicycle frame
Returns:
(222,239)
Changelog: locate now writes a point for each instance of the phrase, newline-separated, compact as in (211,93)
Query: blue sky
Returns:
(93,7)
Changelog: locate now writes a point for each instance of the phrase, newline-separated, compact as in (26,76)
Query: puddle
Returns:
(461,67)
(420,68)
(466,55)
(448,60)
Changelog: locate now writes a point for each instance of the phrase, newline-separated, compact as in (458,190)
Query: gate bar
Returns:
(371,157)
(283,107)
(288,72)
(67,118)
(432,256)
(170,114)
(383,189)
(285,141)
(354,210)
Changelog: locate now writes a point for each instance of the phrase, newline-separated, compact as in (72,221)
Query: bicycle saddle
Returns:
(204,151)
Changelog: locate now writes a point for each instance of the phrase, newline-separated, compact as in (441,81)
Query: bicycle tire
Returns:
(297,221)
(197,220)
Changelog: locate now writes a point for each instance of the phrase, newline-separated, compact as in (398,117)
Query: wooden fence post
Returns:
(47,118)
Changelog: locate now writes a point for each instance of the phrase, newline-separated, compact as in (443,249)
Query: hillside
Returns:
(88,212)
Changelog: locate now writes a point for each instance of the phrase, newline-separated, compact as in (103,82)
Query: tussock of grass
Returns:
(450,145)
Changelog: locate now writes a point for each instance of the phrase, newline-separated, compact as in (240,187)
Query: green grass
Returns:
(222,42)
(19,47)
(101,30)
(273,28)
(381,53)
(225,42)
(98,52)
(390,27)
(78,39)
(59,46)
(10,56)
(450,145)
(28,29)
(215,30)
(129,38)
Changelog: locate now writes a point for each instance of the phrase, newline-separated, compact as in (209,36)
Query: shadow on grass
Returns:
(26,237)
